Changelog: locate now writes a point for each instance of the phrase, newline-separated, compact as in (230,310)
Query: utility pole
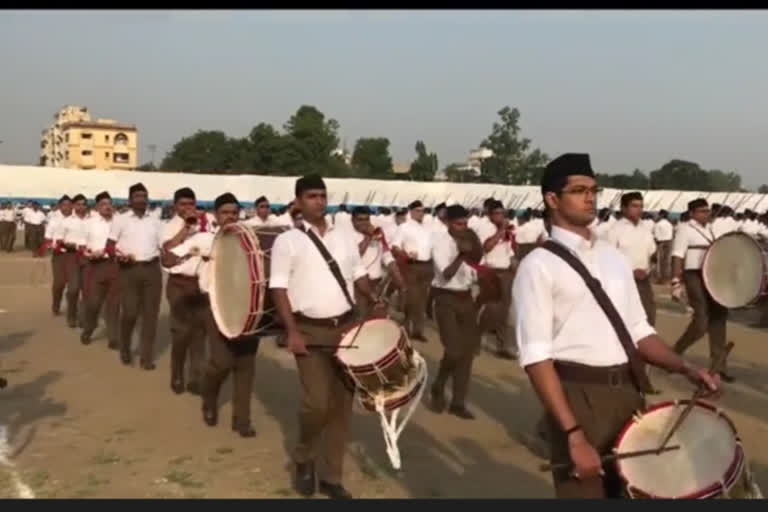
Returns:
(152,148)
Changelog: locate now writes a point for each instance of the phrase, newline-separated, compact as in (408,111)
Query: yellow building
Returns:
(74,141)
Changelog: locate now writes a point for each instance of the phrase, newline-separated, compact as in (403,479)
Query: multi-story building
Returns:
(74,141)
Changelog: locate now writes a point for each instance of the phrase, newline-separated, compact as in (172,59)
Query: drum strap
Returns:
(635,363)
(332,265)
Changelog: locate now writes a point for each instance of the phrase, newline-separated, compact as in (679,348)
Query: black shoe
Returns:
(334,491)
(461,411)
(72,323)
(505,354)
(210,415)
(177,385)
(437,402)
(725,377)
(194,388)
(147,365)
(419,337)
(243,430)
(305,483)
(126,357)
(113,346)
(85,338)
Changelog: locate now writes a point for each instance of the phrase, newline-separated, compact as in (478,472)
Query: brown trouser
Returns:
(645,290)
(59,269)
(418,278)
(141,290)
(602,410)
(101,290)
(188,317)
(326,400)
(7,235)
(236,356)
(456,318)
(73,266)
(709,317)
(362,301)
(663,260)
(36,233)
(492,316)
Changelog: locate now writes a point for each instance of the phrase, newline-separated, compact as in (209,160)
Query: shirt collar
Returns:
(328,226)
(573,241)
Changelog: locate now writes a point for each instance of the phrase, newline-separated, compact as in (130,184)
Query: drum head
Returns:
(733,270)
(232,291)
(376,339)
(709,451)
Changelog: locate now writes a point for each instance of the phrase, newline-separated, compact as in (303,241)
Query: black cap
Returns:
(415,204)
(79,197)
(456,211)
(138,187)
(697,203)
(184,193)
(225,198)
(557,171)
(309,182)
(103,195)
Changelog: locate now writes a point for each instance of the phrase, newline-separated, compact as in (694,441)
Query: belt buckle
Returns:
(614,379)
(335,321)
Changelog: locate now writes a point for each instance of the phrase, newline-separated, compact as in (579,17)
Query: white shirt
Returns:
(557,316)
(633,241)
(342,220)
(137,236)
(54,228)
(501,254)
(170,230)
(663,231)
(375,259)
(35,218)
(444,252)
(298,267)
(74,230)
(481,224)
(691,234)
(202,243)
(648,224)
(530,232)
(414,237)
(97,233)
(750,227)
(7,215)
(257,221)
(724,225)
(25,212)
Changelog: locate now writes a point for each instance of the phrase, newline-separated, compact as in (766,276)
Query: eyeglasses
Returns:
(583,191)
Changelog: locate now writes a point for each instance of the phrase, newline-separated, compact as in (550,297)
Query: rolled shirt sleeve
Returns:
(636,319)
(533,308)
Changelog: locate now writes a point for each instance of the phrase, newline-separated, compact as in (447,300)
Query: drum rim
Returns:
(369,401)
(705,274)
(245,234)
(712,489)
(369,366)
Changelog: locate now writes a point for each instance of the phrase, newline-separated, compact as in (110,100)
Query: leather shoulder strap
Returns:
(636,364)
(332,264)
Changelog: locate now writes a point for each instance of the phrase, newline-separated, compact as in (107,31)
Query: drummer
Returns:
(691,244)
(316,306)
(589,384)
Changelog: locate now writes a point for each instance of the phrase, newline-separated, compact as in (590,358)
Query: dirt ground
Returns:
(80,424)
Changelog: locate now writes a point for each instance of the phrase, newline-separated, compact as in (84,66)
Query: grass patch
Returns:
(95,481)
(106,458)
(223,450)
(183,479)
(283,492)
(180,460)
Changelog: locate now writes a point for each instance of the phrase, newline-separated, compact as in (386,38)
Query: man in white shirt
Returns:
(529,234)
(25,211)
(455,311)
(100,285)
(182,291)
(35,226)
(7,226)
(413,244)
(316,309)
(724,222)
(74,229)
(636,243)
(589,378)
(663,232)
(709,317)
(495,280)
(135,239)
(374,253)
(52,240)
(262,217)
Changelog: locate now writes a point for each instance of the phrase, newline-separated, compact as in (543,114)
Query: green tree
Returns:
(684,175)
(635,181)
(763,189)
(719,181)
(371,158)
(425,166)
(204,151)
(513,161)
(311,139)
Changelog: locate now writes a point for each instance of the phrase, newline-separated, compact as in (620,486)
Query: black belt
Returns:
(419,262)
(333,321)
(455,293)
(612,376)
(135,263)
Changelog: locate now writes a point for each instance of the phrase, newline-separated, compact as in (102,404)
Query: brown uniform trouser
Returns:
(602,410)
(189,309)
(36,234)
(664,260)
(59,270)
(74,272)
(456,318)
(492,316)
(418,277)
(237,356)
(7,235)
(709,317)
(645,290)
(141,290)
(101,290)
(326,400)
(362,301)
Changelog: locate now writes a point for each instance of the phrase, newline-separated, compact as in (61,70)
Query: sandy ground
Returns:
(79,424)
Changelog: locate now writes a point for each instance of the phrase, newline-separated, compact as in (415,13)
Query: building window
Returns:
(121,138)
(66,136)
(67,154)
(86,152)
(86,135)
(106,139)
(121,158)
(106,155)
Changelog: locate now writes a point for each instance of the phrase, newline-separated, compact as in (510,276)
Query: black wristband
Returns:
(573,429)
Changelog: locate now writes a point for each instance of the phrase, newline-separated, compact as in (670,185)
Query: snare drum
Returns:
(735,270)
(709,464)
(240,259)
(382,360)
(394,399)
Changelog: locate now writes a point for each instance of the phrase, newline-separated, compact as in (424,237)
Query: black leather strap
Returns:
(332,265)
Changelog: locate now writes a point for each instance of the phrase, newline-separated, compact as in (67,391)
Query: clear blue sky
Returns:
(633,88)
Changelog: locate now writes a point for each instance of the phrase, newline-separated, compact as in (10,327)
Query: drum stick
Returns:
(611,457)
(700,390)
(315,346)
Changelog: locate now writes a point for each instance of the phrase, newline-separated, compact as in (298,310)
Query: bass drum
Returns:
(735,270)
(240,300)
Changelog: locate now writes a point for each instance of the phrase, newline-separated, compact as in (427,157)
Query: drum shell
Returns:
(714,284)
